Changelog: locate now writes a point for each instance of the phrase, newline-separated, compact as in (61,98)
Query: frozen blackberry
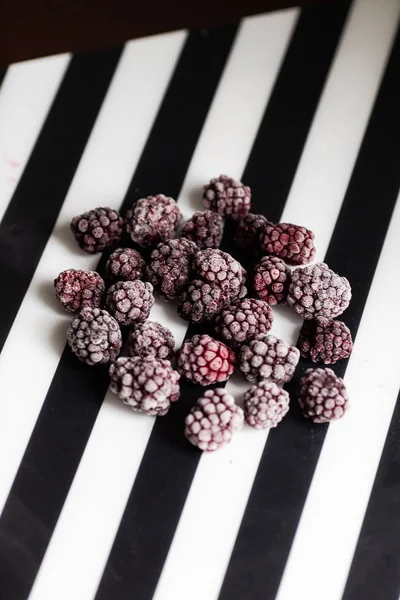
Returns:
(227,197)
(205,229)
(322,396)
(204,360)
(130,301)
(220,268)
(170,267)
(153,220)
(151,340)
(265,405)
(146,385)
(271,279)
(325,341)
(77,289)
(95,336)
(249,231)
(268,357)
(239,323)
(316,291)
(125,264)
(202,301)
(291,243)
(214,419)
(97,229)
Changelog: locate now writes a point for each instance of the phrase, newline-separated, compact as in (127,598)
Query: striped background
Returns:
(98,503)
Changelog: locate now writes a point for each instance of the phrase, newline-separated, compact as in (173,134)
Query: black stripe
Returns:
(375,569)
(32,212)
(76,392)
(2,75)
(169,463)
(292,450)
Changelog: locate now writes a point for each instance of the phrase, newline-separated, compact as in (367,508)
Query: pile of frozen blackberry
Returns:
(149,253)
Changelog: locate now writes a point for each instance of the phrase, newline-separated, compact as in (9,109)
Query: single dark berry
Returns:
(265,405)
(325,341)
(97,229)
(227,197)
(170,266)
(79,289)
(322,396)
(316,291)
(239,323)
(125,264)
(204,360)
(271,279)
(291,243)
(151,340)
(202,301)
(249,231)
(95,337)
(153,220)
(268,357)
(214,419)
(220,268)
(146,385)
(205,229)
(130,301)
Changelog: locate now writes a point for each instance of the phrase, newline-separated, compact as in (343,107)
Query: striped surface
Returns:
(98,503)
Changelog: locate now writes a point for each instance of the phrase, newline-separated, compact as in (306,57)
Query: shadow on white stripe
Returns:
(113,454)
(26,95)
(222,484)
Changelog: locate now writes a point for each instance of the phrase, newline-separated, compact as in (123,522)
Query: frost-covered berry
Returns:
(125,264)
(265,405)
(205,229)
(95,336)
(322,396)
(249,231)
(151,340)
(97,229)
(153,220)
(317,291)
(130,301)
(291,243)
(202,301)
(204,360)
(77,289)
(271,279)
(214,419)
(146,385)
(268,357)
(239,323)
(170,266)
(220,268)
(324,340)
(227,197)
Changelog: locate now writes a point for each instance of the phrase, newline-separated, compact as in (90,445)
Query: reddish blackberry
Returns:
(267,357)
(292,243)
(227,197)
(316,291)
(151,340)
(249,231)
(153,220)
(78,289)
(202,301)
(95,337)
(205,228)
(125,264)
(97,229)
(204,360)
(170,267)
(322,396)
(239,323)
(325,341)
(271,279)
(130,301)
(265,405)
(220,268)
(146,385)
(213,420)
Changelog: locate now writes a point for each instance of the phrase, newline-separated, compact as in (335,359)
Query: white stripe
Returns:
(25,97)
(223,481)
(102,178)
(112,457)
